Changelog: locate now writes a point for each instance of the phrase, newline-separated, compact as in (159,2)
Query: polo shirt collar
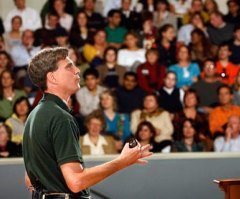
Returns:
(57,100)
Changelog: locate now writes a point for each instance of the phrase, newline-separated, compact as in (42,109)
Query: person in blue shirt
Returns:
(187,71)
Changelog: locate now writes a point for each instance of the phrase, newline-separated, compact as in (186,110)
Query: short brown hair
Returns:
(97,114)
(44,62)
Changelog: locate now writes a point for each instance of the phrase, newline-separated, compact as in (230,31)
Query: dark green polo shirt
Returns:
(51,138)
(115,35)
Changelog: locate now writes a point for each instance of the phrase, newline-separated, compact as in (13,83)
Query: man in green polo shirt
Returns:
(52,155)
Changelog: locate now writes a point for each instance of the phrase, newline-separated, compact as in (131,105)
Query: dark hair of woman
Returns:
(192,91)
(18,101)
(108,49)
(150,127)
(1,87)
(163,29)
(193,125)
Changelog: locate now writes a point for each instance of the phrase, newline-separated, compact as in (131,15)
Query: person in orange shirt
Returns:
(219,116)
(224,68)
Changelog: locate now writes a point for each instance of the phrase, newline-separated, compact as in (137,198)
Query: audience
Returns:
(233,15)
(93,143)
(5,61)
(210,6)
(235,47)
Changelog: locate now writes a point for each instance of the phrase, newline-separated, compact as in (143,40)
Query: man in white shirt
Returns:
(231,141)
(30,17)
(88,96)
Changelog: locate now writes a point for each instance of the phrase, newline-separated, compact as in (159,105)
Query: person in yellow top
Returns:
(16,122)
(219,116)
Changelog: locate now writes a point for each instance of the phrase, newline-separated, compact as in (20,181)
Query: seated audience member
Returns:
(95,20)
(210,6)
(13,37)
(235,47)
(16,122)
(224,68)
(66,19)
(167,45)
(233,15)
(191,101)
(207,87)
(187,72)
(30,17)
(80,34)
(130,95)
(171,97)
(5,61)
(110,73)
(231,141)
(61,37)
(88,96)
(197,6)
(163,16)
(151,73)
(130,19)
(7,147)
(45,36)
(158,117)
(180,8)
(201,47)
(184,33)
(117,123)
(94,53)
(147,36)
(8,94)
(131,56)
(145,135)
(144,6)
(92,143)
(236,90)
(189,140)
(115,33)
(2,44)
(220,115)
(219,31)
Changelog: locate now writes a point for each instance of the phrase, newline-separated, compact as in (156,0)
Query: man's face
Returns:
(53,21)
(233,7)
(224,53)
(234,124)
(115,19)
(20,4)
(66,77)
(126,5)
(215,20)
(62,41)
(170,80)
(89,4)
(225,97)
(91,82)
(209,69)
(197,5)
(130,82)
(237,34)
(27,38)
(59,5)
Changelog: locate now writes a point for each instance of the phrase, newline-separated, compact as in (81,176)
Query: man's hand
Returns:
(228,134)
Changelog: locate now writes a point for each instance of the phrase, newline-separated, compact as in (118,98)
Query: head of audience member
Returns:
(22,108)
(130,81)
(131,40)
(95,123)
(233,7)
(209,68)
(114,18)
(170,80)
(210,6)
(108,100)
(198,37)
(183,54)
(147,22)
(237,33)
(197,20)
(191,99)
(59,6)
(152,56)
(20,4)
(28,39)
(126,5)
(5,61)
(197,6)
(5,134)
(91,78)
(237,82)
(2,44)
(224,52)
(6,81)
(162,6)
(145,133)
(150,102)
(75,56)
(81,19)
(216,19)
(61,37)
(110,56)
(16,23)
(233,126)
(100,38)
(53,20)
(225,95)
(167,33)
(189,130)
(89,5)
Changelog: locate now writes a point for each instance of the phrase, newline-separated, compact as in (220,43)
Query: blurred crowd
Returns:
(163,71)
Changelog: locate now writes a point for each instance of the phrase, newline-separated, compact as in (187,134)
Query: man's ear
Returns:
(51,78)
